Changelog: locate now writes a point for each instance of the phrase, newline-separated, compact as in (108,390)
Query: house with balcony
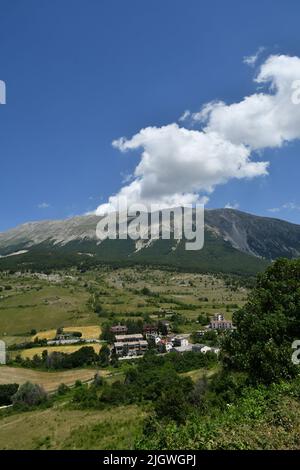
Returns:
(118,329)
(130,345)
(221,325)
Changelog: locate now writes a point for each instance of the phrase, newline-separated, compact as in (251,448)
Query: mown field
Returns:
(49,380)
(88,332)
(68,349)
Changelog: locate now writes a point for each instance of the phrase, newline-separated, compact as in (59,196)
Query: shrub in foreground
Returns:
(29,394)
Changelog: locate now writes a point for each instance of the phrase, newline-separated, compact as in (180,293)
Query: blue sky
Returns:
(81,74)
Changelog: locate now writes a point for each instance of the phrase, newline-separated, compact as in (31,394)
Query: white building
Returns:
(204,348)
(201,348)
(130,345)
(2,353)
(181,340)
(183,348)
(221,325)
(219,317)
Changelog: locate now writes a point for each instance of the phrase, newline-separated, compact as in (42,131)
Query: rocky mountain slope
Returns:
(234,242)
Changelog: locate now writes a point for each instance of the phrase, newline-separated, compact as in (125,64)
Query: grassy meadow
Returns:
(60,428)
(45,303)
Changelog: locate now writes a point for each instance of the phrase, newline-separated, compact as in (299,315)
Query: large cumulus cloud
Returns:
(180,165)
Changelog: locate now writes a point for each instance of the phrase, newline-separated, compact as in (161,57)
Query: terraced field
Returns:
(37,305)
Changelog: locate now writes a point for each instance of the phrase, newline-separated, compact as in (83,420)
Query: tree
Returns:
(77,334)
(114,359)
(44,355)
(267,326)
(172,405)
(37,360)
(59,331)
(98,380)
(104,356)
(106,334)
(163,329)
(198,393)
(86,397)
(145,291)
(210,337)
(202,319)
(29,394)
(115,394)
(63,389)
(95,303)
(6,393)
(83,356)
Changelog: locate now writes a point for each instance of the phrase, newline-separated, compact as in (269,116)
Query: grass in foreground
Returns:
(59,428)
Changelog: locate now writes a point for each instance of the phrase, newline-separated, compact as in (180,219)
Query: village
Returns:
(128,345)
(125,345)
(160,338)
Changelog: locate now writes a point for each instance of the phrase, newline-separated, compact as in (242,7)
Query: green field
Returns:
(199,374)
(33,304)
(43,303)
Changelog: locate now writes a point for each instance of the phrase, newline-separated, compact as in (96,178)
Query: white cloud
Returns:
(290,206)
(177,164)
(263,119)
(235,205)
(252,59)
(126,177)
(184,116)
(43,205)
(180,165)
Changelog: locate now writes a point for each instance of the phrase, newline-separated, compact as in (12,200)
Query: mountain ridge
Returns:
(233,240)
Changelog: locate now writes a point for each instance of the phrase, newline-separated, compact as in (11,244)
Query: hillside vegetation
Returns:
(39,302)
(247,398)
(254,401)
